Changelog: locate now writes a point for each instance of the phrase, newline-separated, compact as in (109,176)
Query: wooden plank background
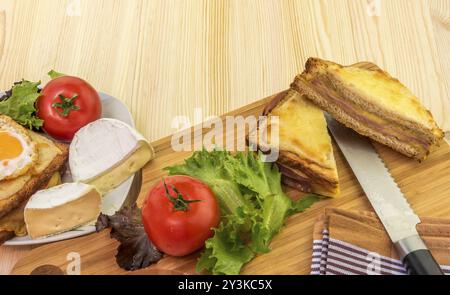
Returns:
(163,58)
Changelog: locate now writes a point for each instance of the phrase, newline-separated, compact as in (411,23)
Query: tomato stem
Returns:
(66,105)
(179,203)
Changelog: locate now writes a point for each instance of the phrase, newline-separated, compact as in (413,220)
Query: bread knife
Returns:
(134,191)
(389,203)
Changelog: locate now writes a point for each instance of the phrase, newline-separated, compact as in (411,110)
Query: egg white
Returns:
(12,168)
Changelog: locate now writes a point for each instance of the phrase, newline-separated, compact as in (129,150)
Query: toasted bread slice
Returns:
(372,103)
(13,223)
(306,158)
(5,235)
(52,158)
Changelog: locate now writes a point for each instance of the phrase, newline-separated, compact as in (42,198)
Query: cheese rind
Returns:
(61,209)
(106,152)
(109,180)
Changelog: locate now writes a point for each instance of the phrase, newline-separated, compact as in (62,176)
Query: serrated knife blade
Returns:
(386,198)
(134,191)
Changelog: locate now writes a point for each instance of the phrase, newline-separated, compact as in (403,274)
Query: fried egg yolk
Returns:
(10,147)
(17,151)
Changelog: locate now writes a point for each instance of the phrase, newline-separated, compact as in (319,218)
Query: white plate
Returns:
(111,108)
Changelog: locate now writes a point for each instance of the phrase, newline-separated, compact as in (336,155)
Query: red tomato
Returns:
(66,104)
(180,224)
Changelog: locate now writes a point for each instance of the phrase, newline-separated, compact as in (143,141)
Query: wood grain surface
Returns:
(163,58)
(426,186)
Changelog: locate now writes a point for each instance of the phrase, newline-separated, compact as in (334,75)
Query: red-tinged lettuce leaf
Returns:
(8,93)
(135,250)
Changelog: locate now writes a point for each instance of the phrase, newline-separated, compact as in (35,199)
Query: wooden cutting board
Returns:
(426,186)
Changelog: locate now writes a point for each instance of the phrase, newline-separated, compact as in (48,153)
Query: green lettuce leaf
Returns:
(250,170)
(54,74)
(302,204)
(210,168)
(226,252)
(253,206)
(264,179)
(20,105)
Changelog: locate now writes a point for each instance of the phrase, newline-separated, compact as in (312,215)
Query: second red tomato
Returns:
(179,214)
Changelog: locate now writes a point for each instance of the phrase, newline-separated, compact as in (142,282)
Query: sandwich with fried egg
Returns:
(372,103)
(28,162)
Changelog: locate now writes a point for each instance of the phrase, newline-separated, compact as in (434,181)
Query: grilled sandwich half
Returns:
(306,158)
(14,193)
(372,103)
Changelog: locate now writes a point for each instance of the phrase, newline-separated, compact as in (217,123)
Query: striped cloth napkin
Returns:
(355,243)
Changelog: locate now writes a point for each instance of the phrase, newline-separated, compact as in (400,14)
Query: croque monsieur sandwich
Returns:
(306,159)
(28,162)
(372,103)
(103,155)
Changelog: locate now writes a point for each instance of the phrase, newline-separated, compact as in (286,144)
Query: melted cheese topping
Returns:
(10,187)
(303,130)
(387,93)
(13,222)
(47,151)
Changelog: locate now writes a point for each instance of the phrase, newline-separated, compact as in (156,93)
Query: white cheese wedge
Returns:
(61,208)
(107,152)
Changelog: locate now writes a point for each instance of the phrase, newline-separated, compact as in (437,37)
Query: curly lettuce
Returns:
(20,104)
(253,206)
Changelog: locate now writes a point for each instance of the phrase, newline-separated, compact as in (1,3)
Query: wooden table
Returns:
(164,58)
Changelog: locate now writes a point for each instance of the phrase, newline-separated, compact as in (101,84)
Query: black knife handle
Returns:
(421,262)
(415,254)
